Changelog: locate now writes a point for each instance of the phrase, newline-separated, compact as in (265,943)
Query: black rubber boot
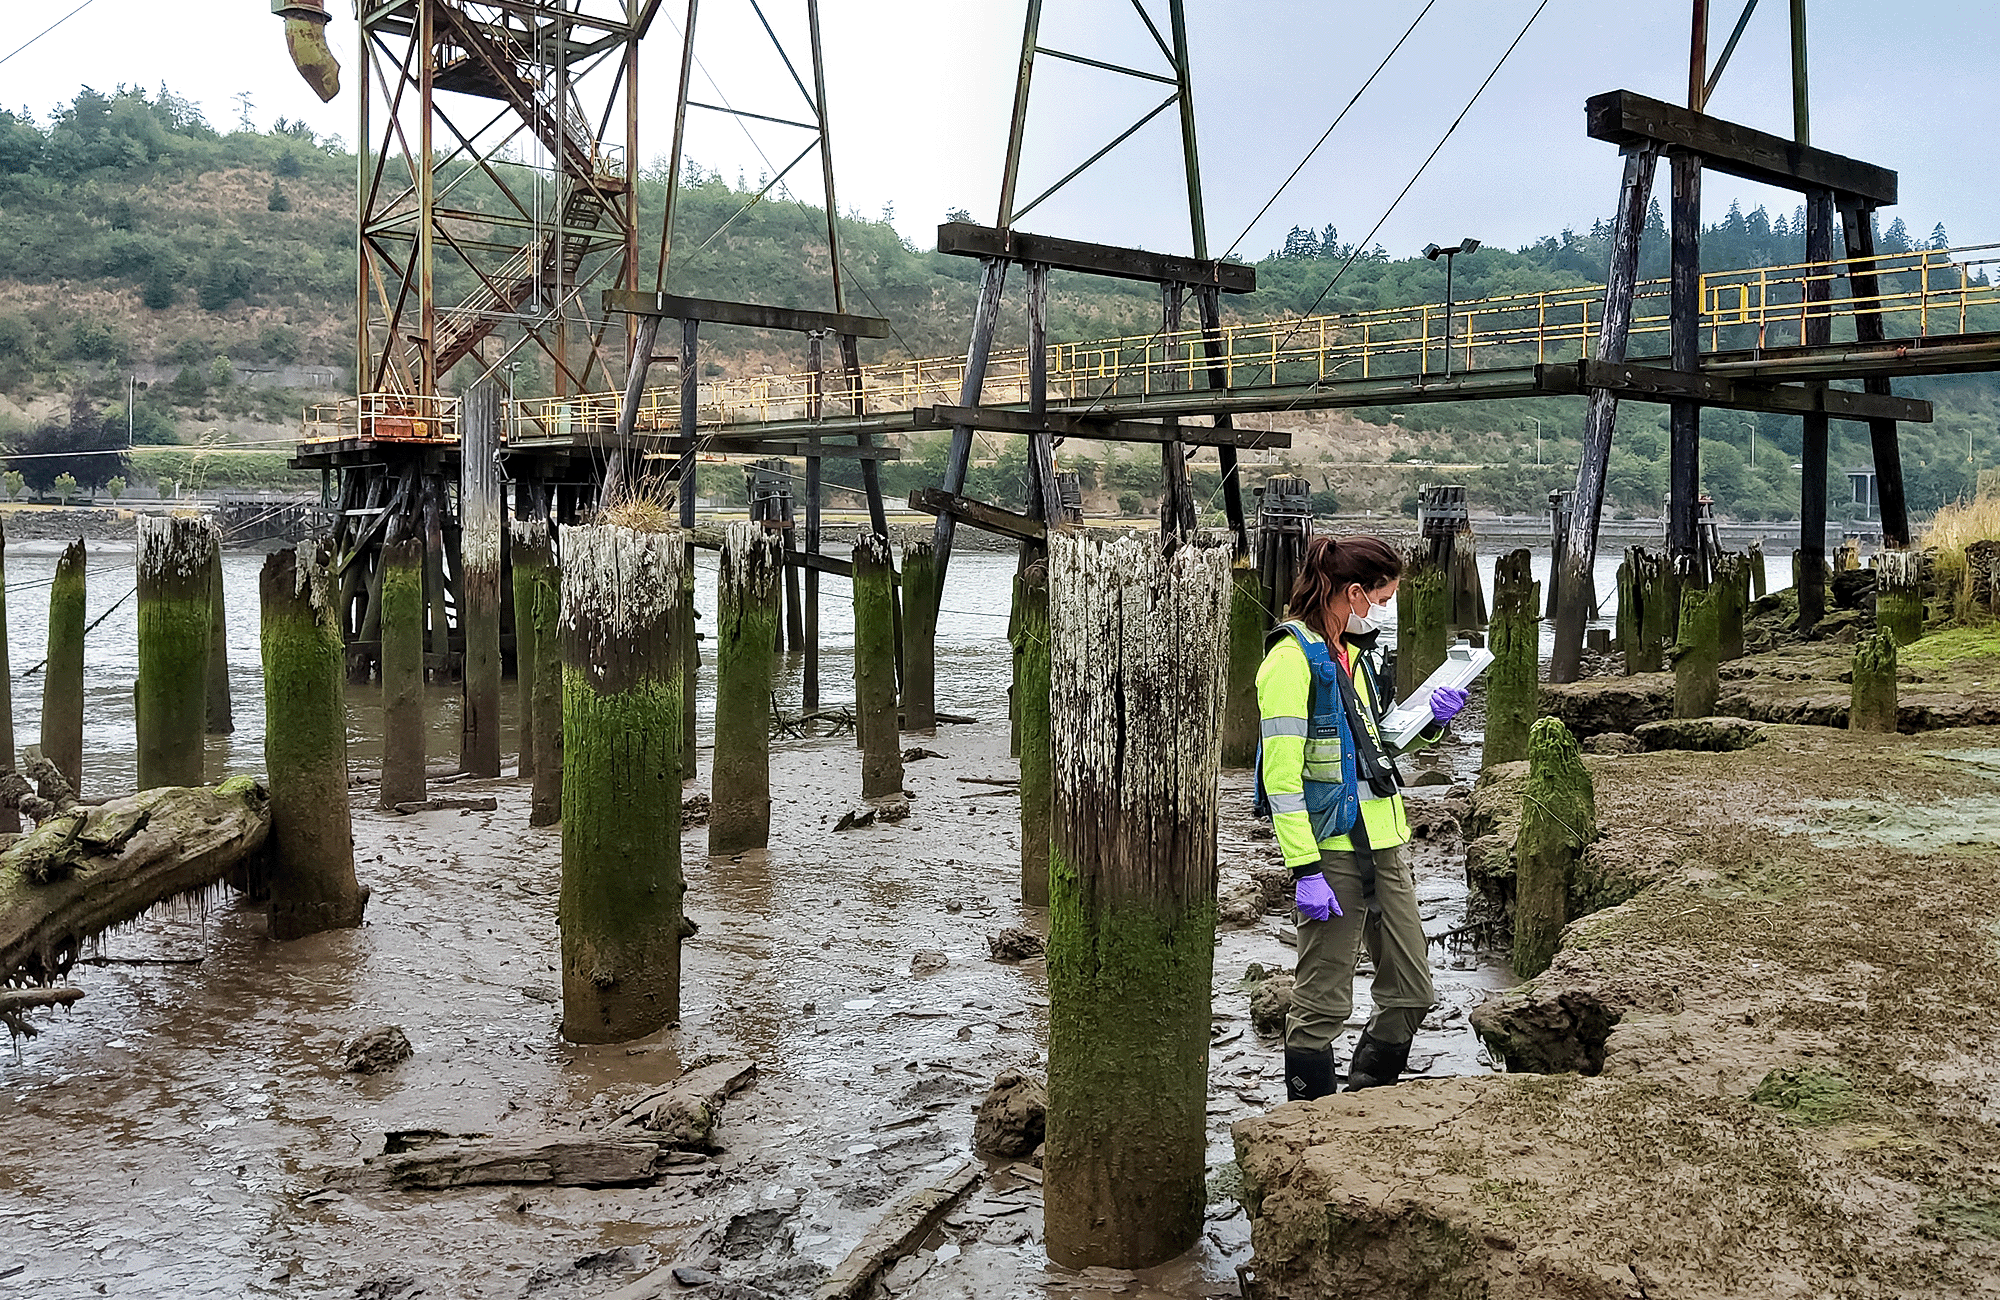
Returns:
(1376,1064)
(1309,1073)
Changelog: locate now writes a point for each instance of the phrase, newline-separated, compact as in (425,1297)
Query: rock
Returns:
(1705,735)
(1014,1115)
(752,1231)
(688,1111)
(919,753)
(1432,777)
(1270,1003)
(376,1049)
(928,961)
(892,808)
(1242,905)
(694,811)
(1612,742)
(689,1275)
(1275,884)
(1015,943)
(907,1270)
(855,818)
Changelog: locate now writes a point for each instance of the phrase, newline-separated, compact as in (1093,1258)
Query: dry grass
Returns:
(1954,528)
(649,506)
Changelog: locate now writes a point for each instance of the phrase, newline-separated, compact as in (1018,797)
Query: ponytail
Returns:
(1332,565)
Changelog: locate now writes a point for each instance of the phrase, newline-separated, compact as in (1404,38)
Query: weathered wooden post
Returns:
(875,669)
(62,676)
(10,819)
(1697,680)
(1138,664)
(171,697)
(623,672)
(1558,819)
(311,866)
(1628,614)
(1248,622)
(1659,609)
(1031,684)
(746,625)
(402,672)
(921,598)
(479,578)
(1899,595)
(519,535)
(690,668)
(1731,587)
(1872,706)
(1421,618)
(221,718)
(544,616)
(1760,578)
(1513,687)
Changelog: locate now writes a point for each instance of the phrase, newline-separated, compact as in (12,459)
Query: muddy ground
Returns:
(171,1137)
(1788,1036)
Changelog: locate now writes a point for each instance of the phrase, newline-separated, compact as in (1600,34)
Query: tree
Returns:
(277,200)
(1300,242)
(115,486)
(1938,240)
(65,487)
(220,372)
(84,448)
(13,482)
(957,214)
(1896,239)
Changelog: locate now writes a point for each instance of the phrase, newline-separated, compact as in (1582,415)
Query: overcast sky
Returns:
(919,93)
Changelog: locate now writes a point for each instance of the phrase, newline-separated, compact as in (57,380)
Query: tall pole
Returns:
(680,137)
(1190,152)
(1801,102)
(1698,59)
(825,153)
(1017,127)
(1450,256)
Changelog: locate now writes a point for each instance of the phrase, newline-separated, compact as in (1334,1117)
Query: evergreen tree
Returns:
(1938,240)
(1300,243)
(1896,239)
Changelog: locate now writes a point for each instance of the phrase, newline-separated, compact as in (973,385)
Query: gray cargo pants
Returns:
(1394,936)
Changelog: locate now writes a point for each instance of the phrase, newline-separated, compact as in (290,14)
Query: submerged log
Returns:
(106,865)
(569,1161)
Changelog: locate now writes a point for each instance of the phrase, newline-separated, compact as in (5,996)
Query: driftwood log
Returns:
(87,869)
(16,1003)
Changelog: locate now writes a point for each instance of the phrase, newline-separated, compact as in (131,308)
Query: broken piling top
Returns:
(1138,660)
(1558,818)
(615,581)
(1559,785)
(751,560)
(175,548)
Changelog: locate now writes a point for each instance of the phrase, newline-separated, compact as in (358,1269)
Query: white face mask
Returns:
(1362,624)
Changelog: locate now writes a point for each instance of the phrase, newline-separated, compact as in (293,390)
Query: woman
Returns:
(1332,790)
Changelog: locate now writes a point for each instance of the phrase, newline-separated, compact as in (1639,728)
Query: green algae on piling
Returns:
(171,698)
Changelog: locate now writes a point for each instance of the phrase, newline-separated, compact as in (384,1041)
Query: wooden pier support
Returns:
(1248,624)
(1697,681)
(310,872)
(751,563)
(10,819)
(402,660)
(1627,619)
(1732,599)
(1872,705)
(920,618)
(623,673)
(524,640)
(1558,819)
(171,696)
(479,522)
(1760,578)
(537,611)
(221,718)
(1512,687)
(1899,595)
(1031,697)
(690,647)
(1138,664)
(1658,614)
(62,676)
(875,669)
(1422,602)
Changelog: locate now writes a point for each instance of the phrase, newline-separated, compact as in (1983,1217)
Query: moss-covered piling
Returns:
(402,672)
(1248,623)
(1558,819)
(1658,611)
(750,568)
(1760,580)
(1899,595)
(1138,663)
(1697,679)
(310,869)
(1031,687)
(62,676)
(546,705)
(1422,616)
(518,539)
(875,669)
(171,698)
(1512,685)
(920,615)
(623,672)
(221,717)
(1627,619)
(1872,706)
(1732,599)
(690,668)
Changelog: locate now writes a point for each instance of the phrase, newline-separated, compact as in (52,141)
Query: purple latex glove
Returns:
(1445,703)
(1315,898)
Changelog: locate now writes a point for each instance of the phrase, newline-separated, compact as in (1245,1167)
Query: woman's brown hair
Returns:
(1333,565)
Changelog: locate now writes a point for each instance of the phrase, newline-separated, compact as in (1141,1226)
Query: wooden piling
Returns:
(1899,595)
(310,870)
(1658,612)
(1031,686)
(1731,599)
(220,717)
(920,617)
(1697,681)
(750,568)
(518,535)
(1760,578)
(479,521)
(1558,819)
(1248,623)
(1421,619)
(875,669)
(1872,705)
(1138,665)
(171,697)
(1512,686)
(1628,614)
(10,819)
(623,673)
(438,639)
(402,658)
(62,676)
(690,667)
(535,550)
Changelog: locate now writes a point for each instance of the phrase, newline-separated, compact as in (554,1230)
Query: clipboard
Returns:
(1462,666)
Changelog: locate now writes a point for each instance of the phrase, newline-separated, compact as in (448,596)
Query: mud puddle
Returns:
(171,1136)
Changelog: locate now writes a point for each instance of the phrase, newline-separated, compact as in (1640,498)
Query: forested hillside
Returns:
(139,246)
